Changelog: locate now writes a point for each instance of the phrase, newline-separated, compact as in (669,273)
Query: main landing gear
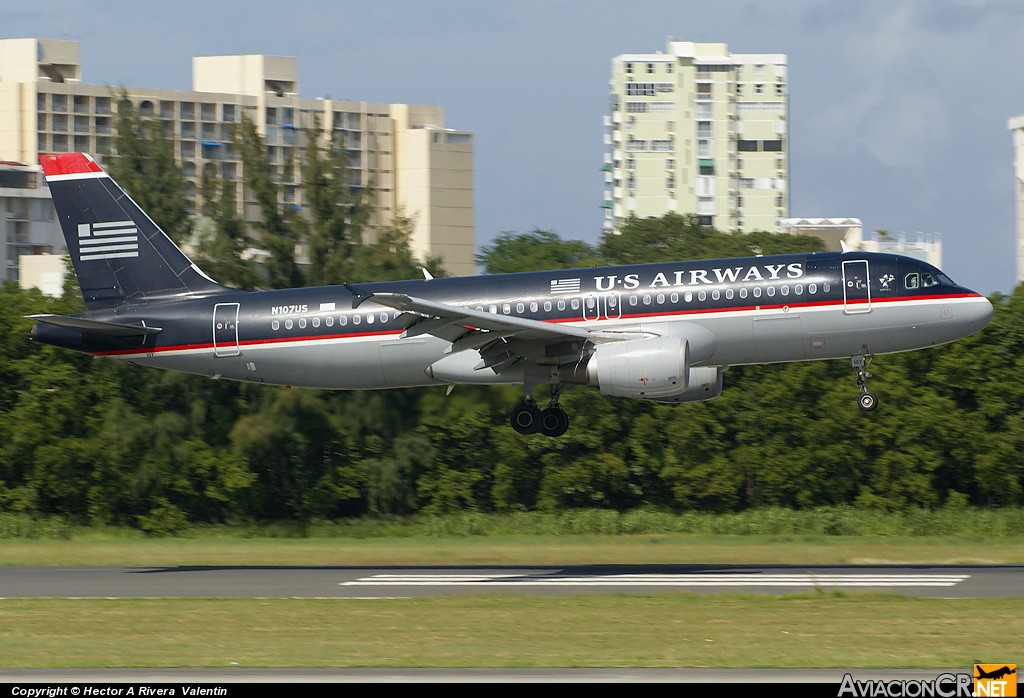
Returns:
(867,400)
(527,418)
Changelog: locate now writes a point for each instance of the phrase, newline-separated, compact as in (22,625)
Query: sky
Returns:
(898,109)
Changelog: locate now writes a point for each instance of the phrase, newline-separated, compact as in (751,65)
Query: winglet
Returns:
(427,275)
(846,248)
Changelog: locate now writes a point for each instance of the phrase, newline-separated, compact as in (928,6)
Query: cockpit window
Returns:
(927,279)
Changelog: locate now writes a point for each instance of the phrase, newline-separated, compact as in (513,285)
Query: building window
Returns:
(747,146)
(707,167)
(650,67)
(772,146)
(629,68)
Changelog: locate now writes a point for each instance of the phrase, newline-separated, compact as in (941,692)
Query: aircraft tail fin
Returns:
(120,255)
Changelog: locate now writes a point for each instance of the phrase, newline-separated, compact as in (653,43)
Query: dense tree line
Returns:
(98,441)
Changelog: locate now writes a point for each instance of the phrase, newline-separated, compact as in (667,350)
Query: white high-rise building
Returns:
(412,164)
(698,130)
(1016,126)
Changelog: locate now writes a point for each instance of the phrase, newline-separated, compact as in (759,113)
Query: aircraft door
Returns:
(225,330)
(612,306)
(856,287)
(604,307)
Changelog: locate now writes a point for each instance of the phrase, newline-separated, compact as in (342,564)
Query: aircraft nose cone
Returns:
(980,312)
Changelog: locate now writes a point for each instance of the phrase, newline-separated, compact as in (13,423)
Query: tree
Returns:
(536,250)
(278,237)
(681,237)
(335,212)
(145,166)
(224,244)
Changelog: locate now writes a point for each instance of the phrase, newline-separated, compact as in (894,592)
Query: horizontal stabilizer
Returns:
(96,327)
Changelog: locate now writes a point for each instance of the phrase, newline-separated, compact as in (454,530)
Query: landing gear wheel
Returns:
(553,421)
(526,418)
(867,401)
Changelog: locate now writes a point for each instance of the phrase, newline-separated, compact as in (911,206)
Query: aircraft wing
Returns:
(503,341)
(471,320)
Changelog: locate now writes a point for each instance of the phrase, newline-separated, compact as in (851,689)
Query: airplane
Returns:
(663,332)
(995,674)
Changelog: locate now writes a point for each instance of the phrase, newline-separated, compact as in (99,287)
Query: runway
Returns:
(365,582)
(375,582)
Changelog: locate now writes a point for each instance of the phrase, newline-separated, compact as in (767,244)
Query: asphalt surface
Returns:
(934,581)
(956,581)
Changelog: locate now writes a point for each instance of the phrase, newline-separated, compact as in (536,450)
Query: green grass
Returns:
(580,549)
(820,630)
(669,629)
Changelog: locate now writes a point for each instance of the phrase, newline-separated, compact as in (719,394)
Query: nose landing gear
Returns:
(867,400)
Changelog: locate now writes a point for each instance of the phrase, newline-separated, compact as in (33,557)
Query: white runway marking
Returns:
(676,580)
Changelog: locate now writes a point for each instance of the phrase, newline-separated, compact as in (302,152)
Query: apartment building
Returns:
(1016,126)
(28,223)
(401,153)
(696,129)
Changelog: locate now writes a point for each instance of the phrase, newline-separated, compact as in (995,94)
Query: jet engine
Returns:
(646,369)
(655,369)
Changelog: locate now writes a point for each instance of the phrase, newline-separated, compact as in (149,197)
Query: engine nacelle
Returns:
(703,383)
(655,369)
(646,369)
